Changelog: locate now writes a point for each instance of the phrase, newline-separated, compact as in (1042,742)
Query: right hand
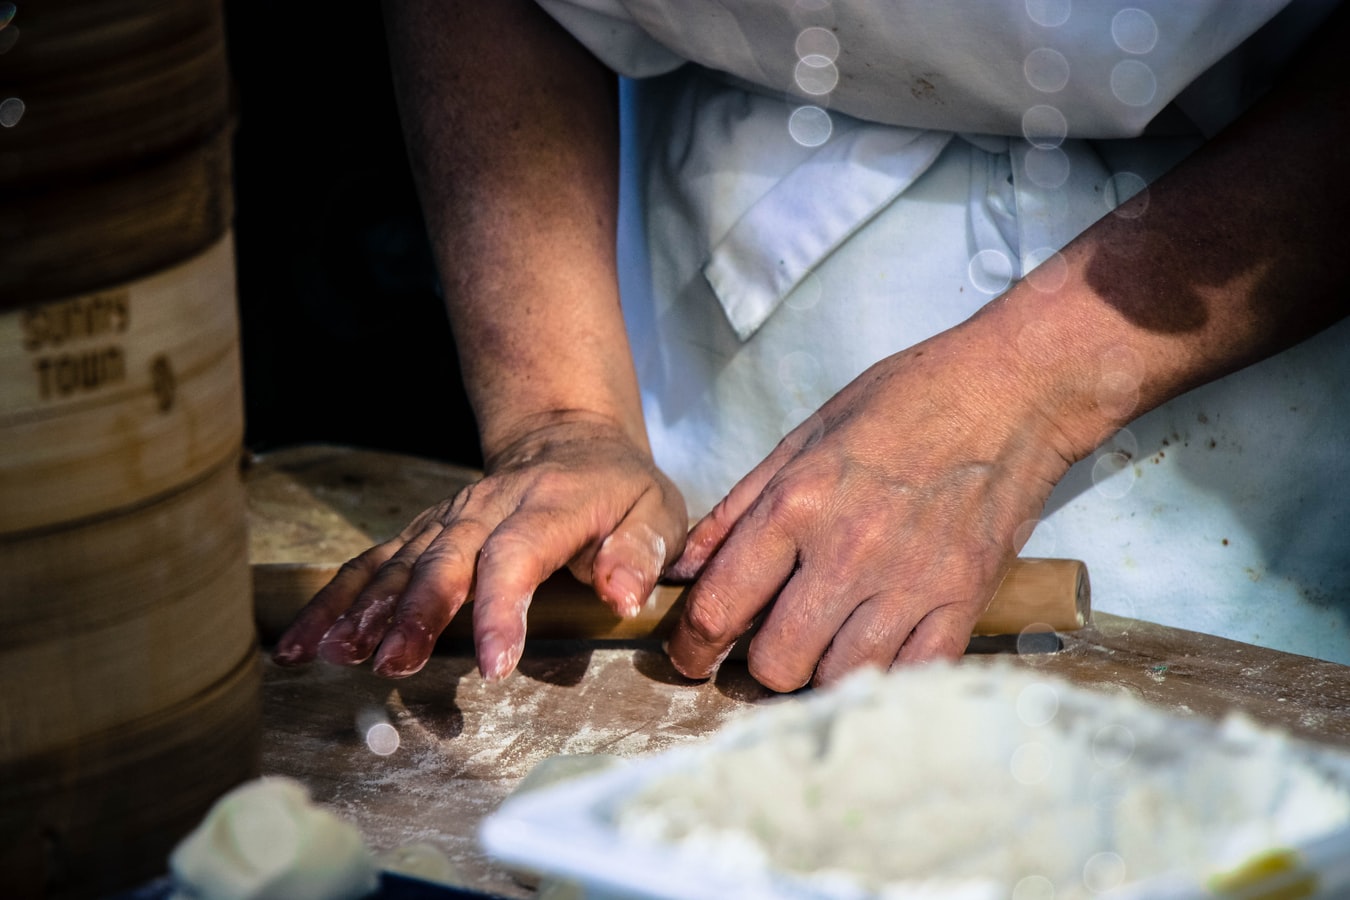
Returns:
(572,492)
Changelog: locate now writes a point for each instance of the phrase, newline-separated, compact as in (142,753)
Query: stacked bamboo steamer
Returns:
(129,684)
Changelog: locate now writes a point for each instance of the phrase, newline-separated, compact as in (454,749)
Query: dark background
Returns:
(345,338)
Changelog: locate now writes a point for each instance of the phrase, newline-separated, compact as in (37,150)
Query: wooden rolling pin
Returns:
(1037,595)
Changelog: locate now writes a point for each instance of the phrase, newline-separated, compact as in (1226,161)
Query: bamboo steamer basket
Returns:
(109,83)
(94,232)
(119,617)
(129,683)
(131,687)
(114,157)
(110,398)
(104,812)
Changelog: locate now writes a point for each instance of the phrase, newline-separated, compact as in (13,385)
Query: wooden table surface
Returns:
(464,744)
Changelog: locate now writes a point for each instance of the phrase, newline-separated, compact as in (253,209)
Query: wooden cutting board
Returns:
(464,743)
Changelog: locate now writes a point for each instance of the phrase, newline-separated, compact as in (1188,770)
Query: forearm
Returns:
(1233,256)
(512,135)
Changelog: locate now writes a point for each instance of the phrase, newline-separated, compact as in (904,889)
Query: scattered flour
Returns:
(990,775)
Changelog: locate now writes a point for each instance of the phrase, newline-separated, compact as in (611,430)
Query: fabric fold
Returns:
(811,211)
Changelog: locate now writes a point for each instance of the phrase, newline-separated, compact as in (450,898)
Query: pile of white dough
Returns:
(993,777)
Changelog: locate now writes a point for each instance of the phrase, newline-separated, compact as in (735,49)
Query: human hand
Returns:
(571,493)
(879,529)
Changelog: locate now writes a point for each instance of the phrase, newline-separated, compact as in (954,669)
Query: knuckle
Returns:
(447,557)
(723,515)
(771,669)
(358,568)
(710,617)
(873,646)
(504,542)
(463,497)
(789,505)
(946,641)
(636,545)
(398,566)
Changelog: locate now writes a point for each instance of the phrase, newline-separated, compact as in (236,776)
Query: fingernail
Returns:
(336,643)
(627,585)
(289,655)
(692,676)
(389,661)
(497,658)
(683,568)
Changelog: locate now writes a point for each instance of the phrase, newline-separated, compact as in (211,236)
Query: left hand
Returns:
(879,529)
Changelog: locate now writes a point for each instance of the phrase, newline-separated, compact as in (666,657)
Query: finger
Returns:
(441,581)
(518,555)
(299,643)
(871,637)
(356,633)
(942,634)
(630,560)
(708,535)
(735,586)
(797,630)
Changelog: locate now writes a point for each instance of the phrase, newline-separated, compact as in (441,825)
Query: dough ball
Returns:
(266,840)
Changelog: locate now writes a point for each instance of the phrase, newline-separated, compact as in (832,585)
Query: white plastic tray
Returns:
(567,831)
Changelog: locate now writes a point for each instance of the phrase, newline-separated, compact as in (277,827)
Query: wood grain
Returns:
(103,812)
(120,617)
(103,93)
(108,228)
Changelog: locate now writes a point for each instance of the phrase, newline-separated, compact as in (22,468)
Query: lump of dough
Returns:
(266,840)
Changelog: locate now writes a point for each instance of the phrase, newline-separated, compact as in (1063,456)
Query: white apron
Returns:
(791,215)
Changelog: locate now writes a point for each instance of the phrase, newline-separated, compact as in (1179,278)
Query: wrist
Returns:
(1081,364)
(518,438)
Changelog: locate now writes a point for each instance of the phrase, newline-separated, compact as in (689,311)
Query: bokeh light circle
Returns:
(1104,872)
(1049,13)
(1046,70)
(1134,31)
(1113,475)
(810,126)
(817,42)
(11,111)
(1123,186)
(991,271)
(1112,746)
(1034,887)
(1037,704)
(1047,167)
(799,371)
(1133,83)
(1047,270)
(382,739)
(1044,126)
(816,76)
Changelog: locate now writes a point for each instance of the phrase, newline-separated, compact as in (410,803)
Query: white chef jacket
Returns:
(811,186)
